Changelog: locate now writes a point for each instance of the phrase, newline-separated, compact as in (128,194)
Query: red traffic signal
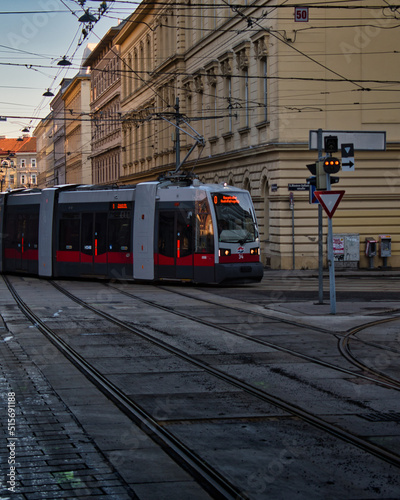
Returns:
(332,165)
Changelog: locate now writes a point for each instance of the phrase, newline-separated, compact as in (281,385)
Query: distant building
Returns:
(45,156)
(18,163)
(64,136)
(105,69)
(58,133)
(78,131)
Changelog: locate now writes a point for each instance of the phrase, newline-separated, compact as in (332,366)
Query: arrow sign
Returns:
(329,200)
(348,157)
(348,165)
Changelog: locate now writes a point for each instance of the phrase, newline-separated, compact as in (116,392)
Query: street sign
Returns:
(348,165)
(348,150)
(362,141)
(298,187)
(301,14)
(312,198)
(329,200)
(348,157)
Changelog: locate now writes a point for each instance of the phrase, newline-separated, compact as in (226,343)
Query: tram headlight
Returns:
(224,252)
(254,251)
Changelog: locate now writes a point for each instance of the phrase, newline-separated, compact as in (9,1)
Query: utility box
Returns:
(385,245)
(346,249)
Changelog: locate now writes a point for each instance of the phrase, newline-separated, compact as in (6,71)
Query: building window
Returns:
(33,163)
(246,98)
(213,108)
(23,163)
(33,177)
(261,54)
(23,179)
(226,70)
(265,88)
(199,90)
(242,57)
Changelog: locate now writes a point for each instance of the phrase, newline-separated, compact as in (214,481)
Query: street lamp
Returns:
(64,62)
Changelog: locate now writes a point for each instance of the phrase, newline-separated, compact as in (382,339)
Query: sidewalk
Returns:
(349,313)
(339,272)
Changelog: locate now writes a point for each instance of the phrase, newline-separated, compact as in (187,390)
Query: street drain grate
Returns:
(382,417)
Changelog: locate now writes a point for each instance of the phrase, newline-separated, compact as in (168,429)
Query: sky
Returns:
(36,34)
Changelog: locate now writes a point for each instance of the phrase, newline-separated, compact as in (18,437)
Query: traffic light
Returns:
(312,167)
(332,165)
(320,176)
(331,143)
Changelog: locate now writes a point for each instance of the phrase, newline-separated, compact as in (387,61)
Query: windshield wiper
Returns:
(246,239)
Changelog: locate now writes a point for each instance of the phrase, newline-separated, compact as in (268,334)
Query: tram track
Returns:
(314,420)
(158,431)
(213,481)
(343,345)
(345,350)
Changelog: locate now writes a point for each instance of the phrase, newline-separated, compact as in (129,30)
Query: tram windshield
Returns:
(235,217)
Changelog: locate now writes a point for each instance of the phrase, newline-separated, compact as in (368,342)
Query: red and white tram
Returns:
(152,231)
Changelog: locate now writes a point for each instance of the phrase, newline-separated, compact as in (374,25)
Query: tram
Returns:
(164,230)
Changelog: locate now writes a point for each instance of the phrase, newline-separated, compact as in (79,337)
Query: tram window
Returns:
(87,234)
(32,231)
(119,235)
(235,216)
(11,231)
(20,229)
(204,228)
(185,232)
(69,234)
(100,232)
(166,238)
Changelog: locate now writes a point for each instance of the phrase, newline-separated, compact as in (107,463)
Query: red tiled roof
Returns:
(27,145)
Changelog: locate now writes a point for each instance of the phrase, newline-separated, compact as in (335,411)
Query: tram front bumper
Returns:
(244,272)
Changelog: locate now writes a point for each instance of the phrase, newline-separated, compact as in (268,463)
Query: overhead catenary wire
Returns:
(330,5)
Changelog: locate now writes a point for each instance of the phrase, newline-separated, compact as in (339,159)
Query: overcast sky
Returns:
(36,34)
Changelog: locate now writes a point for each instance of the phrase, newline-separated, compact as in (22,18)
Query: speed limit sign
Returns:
(301,14)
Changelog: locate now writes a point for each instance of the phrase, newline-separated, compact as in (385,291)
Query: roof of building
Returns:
(26,145)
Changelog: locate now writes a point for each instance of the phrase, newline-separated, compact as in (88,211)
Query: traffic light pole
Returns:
(321,178)
(320,234)
(331,258)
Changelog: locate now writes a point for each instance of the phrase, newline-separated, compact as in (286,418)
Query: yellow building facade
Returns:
(252,79)
(78,169)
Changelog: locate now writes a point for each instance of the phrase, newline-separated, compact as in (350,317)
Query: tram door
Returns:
(29,243)
(21,239)
(175,244)
(94,243)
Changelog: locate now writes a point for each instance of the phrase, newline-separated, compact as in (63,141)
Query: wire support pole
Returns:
(320,235)
(177,137)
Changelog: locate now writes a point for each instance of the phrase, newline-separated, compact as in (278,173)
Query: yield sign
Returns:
(329,200)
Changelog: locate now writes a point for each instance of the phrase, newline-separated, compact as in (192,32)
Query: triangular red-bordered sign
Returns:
(329,200)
